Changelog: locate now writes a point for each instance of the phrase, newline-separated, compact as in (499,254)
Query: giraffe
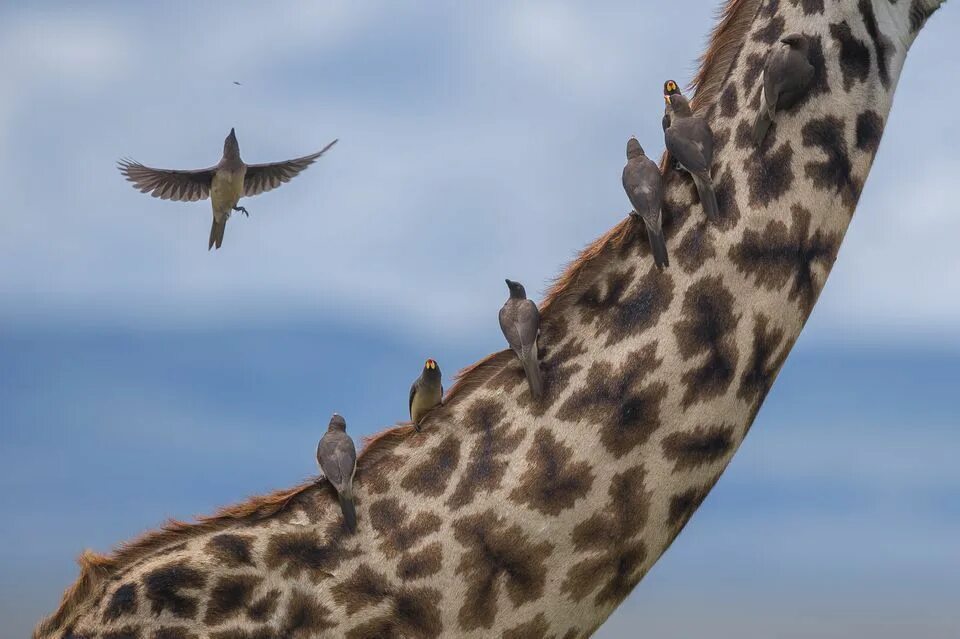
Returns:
(507,516)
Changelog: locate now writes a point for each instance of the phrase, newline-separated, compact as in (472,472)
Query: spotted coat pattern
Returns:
(512,517)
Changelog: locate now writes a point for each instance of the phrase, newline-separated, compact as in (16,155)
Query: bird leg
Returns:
(241,210)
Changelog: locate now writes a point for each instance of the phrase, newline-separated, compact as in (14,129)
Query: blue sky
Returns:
(142,377)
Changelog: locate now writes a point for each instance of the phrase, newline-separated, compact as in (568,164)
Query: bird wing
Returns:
(346,457)
(261,178)
(641,181)
(685,144)
(413,391)
(168,184)
(528,324)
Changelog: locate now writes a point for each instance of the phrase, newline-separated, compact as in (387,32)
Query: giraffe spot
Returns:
(304,552)
(420,564)
(619,314)
(397,530)
(621,401)
(770,32)
(552,482)
(376,478)
(431,476)
(728,101)
(232,550)
(127,632)
(363,589)
(854,55)
(228,597)
(920,11)
(769,175)
(122,602)
(781,255)
(497,556)
(173,632)
(536,628)
(726,191)
(615,562)
(765,362)
(696,247)
(702,445)
(489,457)
(869,131)
(413,613)
(751,76)
(263,608)
(556,367)
(164,589)
(683,505)
(707,328)
(305,617)
(810,7)
(720,138)
(881,45)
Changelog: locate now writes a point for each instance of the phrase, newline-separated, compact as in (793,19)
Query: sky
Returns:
(142,376)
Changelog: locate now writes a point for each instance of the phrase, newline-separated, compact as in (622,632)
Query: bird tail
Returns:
(348,509)
(708,197)
(531,366)
(761,125)
(216,233)
(658,245)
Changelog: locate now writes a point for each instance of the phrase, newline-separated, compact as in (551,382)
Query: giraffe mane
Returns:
(724,43)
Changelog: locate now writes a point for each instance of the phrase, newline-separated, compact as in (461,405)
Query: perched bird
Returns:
(690,142)
(224,183)
(641,181)
(337,457)
(426,393)
(785,79)
(669,88)
(520,323)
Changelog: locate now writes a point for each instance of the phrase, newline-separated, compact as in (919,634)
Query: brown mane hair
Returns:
(725,42)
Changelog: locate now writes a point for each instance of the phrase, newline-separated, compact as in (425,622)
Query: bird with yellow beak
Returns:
(426,393)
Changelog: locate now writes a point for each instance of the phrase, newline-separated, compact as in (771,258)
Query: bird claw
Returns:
(241,209)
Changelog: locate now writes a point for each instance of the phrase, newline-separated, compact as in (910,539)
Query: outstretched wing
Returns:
(168,184)
(261,178)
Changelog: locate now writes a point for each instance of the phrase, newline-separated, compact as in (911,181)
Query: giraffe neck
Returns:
(509,517)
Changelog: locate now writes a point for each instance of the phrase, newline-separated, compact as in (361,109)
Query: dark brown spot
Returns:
(431,476)
(728,101)
(262,609)
(122,602)
(765,361)
(497,555)
(702,445)
(854,55)
(769,175)
(420,564)
(228,597)
(771,31)
(165,588)
(882,46)
(396,529)
(810,7)
(696,247)
(553,482)
(232,550)
(621,401)
(707,328)
(173,632)
(780,255)
(869,131)
(536,628)
(127,632)
(305,552)
(305,618)
(620,315)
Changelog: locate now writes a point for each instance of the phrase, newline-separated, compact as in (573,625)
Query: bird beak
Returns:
(666,98)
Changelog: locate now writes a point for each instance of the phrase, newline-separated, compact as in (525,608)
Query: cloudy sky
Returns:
(477,141)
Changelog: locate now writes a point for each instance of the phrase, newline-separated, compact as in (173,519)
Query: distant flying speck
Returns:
(237,83)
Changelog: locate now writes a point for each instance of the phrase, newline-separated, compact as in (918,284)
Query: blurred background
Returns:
(142,377)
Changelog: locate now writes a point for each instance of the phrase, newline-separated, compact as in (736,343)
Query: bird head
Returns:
(431,368)
(795,41)
(231,148)
(671,88)
(678,105)
(516,290)
(337,422)
(634,150)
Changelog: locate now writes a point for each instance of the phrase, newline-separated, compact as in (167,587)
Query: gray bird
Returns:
(520,323)
(641,181)
(337,457)
(224,183)
(786,77)
(690,142)
(669,88)
(426,393)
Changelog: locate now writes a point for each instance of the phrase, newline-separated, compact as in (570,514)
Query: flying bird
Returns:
(426,393)
(225,183)
(520,323)
(690,142)
(641,181)
(237,83)
(785,79)
(337,457)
